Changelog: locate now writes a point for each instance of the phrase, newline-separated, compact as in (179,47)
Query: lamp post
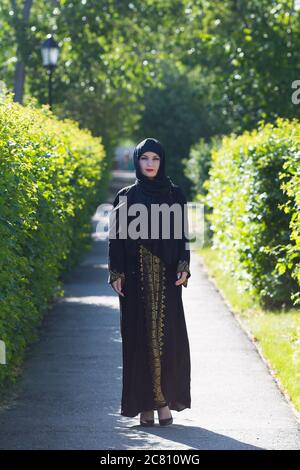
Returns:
(50,52)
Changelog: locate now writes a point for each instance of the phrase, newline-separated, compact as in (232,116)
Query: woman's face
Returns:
(149,164)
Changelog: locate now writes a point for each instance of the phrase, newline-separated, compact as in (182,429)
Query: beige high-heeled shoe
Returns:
(165,421)
(146,422)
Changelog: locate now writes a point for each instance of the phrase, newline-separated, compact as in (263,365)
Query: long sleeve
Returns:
(184,252)
(116,245)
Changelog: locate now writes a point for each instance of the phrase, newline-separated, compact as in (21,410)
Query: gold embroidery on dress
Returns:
(153,290)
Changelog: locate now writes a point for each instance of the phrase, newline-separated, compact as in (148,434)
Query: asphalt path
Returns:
(68,396)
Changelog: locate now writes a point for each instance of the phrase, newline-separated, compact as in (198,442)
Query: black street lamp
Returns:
(50,52)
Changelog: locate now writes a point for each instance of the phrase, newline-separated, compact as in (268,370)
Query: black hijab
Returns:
(160,185)
(158,190)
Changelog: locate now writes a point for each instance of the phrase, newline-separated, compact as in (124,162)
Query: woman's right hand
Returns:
(117,286)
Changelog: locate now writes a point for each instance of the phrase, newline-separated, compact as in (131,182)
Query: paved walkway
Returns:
(69,395)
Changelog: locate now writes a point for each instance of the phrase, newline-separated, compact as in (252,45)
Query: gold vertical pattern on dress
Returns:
(153,279)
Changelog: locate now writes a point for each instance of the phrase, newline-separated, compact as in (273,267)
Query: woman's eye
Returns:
(146,159)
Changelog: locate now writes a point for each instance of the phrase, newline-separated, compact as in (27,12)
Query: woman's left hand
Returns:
(181,278)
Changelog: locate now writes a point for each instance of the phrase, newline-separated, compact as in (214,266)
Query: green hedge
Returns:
(254,199)
(51,177)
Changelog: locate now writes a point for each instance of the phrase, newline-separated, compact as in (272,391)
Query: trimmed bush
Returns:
(50,175)
(253,195)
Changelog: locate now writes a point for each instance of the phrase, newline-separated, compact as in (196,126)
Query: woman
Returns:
(148,275)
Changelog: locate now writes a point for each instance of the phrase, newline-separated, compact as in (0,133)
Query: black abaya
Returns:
(155,345)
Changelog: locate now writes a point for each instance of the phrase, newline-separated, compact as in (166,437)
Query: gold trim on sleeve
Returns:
(114,275)
(183,265)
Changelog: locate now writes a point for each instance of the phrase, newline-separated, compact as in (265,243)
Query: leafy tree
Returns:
(252,50)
